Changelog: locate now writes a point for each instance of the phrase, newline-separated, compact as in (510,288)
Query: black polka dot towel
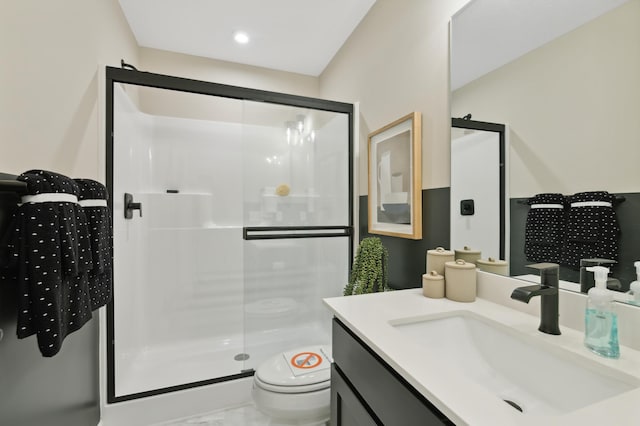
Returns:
(93,200)
(51,258)
(544,228)
(592,228)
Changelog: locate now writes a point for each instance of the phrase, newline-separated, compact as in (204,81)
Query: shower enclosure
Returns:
(232,220)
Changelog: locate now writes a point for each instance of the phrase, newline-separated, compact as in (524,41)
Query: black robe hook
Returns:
(123,64)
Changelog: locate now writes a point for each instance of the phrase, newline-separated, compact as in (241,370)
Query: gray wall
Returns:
(407,258)
(627,214)
(59,391)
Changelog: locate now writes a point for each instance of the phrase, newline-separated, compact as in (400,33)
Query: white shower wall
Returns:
(194,253)
(200,157)
(475,175)
(178,268)
(134,132)
(186,283)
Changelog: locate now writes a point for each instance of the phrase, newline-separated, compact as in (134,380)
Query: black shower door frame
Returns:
(139,78)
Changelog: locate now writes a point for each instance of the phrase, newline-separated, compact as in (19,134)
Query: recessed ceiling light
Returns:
(241,37)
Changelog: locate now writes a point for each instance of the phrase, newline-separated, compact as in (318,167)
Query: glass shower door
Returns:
(297,231)
(232,220)
(178,299)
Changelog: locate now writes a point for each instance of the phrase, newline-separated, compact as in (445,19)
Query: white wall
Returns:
(163,62)
(572,107)
(396,62)
(51,52)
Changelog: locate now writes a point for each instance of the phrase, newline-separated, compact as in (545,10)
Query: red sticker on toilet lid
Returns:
(306,360)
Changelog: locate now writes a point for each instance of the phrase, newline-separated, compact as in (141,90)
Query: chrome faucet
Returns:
(548,291)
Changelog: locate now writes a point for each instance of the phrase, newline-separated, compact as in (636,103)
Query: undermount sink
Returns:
(533,376)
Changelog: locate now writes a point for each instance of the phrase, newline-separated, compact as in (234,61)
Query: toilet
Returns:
(293,387)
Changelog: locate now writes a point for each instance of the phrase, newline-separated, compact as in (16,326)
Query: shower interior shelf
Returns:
(291,196)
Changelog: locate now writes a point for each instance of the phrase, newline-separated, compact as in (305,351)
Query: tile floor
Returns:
(245,415)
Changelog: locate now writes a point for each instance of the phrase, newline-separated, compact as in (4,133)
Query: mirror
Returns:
(564,76)
(478,202)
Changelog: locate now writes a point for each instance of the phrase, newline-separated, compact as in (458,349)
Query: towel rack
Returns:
(618,200)
(15,186)
(8,183)
(10,192)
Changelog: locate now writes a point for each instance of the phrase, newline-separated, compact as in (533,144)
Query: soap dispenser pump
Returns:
(601,323)
(634,287)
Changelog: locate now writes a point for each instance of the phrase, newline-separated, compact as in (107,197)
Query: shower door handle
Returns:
(130,206)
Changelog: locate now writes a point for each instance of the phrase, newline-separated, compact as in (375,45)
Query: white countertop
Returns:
(460,399)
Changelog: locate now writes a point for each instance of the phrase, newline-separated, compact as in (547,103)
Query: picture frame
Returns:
(395,178)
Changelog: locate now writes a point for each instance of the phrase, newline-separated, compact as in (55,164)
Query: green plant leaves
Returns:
(369,271)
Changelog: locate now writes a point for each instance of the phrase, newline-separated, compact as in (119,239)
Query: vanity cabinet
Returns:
(365,390)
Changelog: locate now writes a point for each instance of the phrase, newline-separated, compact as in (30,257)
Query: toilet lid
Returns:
(301,367)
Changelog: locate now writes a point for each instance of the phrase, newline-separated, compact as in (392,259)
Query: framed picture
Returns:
(395,179)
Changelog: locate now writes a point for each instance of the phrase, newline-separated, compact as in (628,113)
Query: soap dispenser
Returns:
(634,287)
(600,322)
(586,277)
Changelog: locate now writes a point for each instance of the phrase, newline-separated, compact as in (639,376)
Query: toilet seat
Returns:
(292,389)
(301,370)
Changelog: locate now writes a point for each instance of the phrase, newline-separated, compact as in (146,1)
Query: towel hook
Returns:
(125,65)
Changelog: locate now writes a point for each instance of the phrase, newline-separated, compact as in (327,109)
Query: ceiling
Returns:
(300,36)
(487,34)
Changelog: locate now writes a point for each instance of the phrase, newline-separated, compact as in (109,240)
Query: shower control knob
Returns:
(130,206)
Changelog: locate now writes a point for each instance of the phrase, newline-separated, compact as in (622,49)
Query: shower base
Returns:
(180,363)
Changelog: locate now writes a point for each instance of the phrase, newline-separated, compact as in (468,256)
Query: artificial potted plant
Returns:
(369,271)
